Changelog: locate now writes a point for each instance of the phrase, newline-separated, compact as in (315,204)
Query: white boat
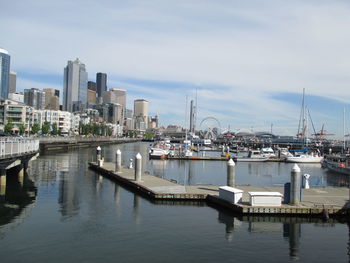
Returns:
(284,153)
(304,158)
(268,152)
(337,163)
(160,150)
(253,156)
(158,153)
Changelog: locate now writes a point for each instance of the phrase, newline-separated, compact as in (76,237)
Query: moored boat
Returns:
(160,150)
(304,158)
(337,163)
(253,156)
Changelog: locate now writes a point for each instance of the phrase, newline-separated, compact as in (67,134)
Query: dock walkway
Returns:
(315,201)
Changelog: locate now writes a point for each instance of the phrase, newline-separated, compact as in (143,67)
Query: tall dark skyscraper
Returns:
(4,73)
(101,83)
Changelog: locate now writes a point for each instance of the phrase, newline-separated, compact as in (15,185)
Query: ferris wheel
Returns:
(210,128)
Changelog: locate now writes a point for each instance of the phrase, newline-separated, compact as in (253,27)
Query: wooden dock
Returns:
(327,201)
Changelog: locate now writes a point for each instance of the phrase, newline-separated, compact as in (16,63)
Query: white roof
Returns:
(4,51)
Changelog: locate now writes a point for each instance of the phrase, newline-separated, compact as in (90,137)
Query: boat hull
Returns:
(313,159)
(252,159)
(337,169)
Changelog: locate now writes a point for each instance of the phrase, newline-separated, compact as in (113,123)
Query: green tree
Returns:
(148,135)
(54,129)
(45,128)
(9,126)
(109,131)
(22,129)
(35,128)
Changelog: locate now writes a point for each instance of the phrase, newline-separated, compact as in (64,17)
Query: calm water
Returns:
(64,212)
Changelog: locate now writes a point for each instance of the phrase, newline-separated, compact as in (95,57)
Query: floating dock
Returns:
(327,201)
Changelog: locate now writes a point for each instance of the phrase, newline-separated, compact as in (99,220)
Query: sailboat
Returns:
(305,157)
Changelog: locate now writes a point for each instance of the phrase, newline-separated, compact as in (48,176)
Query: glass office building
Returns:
(75,86)
(4,73)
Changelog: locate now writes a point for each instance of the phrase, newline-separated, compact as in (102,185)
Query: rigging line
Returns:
(312,123)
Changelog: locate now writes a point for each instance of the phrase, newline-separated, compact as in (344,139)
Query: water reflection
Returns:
(16,197)
(289,227)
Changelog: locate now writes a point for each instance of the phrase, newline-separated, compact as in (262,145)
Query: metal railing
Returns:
(17,146)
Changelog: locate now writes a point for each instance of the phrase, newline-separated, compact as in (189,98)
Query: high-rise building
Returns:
(92,85)
(35,98)
(115,96)
(141,114)
(18,97)
(75,86)
(91,96)
(52,99)
(4,73)
(12,82)
(101,83)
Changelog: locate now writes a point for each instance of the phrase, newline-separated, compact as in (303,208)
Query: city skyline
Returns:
(247,62)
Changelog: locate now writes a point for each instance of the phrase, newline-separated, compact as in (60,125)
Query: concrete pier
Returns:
(315,200)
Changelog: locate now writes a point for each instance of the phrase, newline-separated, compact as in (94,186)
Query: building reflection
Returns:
(69,190)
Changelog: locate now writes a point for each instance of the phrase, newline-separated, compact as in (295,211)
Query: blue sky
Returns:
(247,61)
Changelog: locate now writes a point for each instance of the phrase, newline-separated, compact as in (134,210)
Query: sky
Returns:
(246,63)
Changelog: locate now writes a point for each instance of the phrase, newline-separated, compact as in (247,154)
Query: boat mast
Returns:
(302,121)
(344,143)
(186,120)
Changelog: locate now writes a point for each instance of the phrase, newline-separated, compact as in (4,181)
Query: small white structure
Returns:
(230,194)
(265,198)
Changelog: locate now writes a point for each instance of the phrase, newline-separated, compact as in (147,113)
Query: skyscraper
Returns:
(12,82)
(141,114)
(115,96)
(92,85)
(101,83)
(52,99)
(35,98)
(75,86)
(4,73)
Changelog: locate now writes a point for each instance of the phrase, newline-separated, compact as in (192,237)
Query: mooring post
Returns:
(98,154)
(231,173)
(118,161)
(138,167)
(295,185)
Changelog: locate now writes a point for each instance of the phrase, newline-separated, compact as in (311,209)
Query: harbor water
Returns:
(64,212)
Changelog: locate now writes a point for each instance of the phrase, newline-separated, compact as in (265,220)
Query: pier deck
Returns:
(316,201)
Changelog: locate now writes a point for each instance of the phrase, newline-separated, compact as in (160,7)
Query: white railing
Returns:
(17,146)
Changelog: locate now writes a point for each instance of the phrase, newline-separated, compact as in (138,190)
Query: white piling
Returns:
(295,185)
(231,173)
(98,154)
(138,167)
(118,161)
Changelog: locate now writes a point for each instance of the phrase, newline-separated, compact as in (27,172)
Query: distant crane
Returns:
(322,134)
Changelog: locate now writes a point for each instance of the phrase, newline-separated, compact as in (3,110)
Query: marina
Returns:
(68,201)
(316,202)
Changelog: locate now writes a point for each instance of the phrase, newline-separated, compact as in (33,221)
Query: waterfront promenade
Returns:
(315,201)
(66,143)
